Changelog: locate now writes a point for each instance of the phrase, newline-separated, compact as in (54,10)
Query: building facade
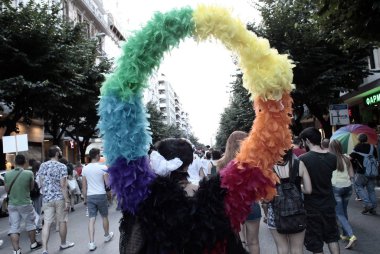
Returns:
(364,103)
(161,93)
(101,25)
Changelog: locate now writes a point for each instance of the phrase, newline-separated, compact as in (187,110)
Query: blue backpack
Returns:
(369,163)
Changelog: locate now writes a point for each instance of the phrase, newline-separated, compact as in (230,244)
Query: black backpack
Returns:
(35,193)
(288,208)
(213,169)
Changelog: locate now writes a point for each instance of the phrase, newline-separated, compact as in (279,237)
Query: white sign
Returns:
(16,143)
(339,114)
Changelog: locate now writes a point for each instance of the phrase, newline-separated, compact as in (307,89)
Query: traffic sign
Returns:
(339,114)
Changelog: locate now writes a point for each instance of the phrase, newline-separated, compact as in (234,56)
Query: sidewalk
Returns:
(366,228)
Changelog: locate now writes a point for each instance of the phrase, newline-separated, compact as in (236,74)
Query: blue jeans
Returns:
(342,196)
(366,190)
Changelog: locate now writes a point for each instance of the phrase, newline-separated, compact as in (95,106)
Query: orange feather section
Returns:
(250,177)
(270,135)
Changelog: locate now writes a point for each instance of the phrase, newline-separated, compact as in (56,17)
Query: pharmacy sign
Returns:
(372,99)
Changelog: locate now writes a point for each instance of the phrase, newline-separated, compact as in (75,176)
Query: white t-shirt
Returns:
(205,163)
(94,173)
(193,170)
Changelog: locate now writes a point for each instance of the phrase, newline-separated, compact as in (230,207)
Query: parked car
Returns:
(3,193)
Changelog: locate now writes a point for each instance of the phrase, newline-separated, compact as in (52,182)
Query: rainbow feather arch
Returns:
(125,129)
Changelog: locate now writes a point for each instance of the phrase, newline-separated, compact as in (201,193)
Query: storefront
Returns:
(364,104)
(35,132)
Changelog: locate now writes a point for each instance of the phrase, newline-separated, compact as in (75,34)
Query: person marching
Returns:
(94,182)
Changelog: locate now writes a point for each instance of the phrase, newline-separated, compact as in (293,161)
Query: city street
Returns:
(366,228)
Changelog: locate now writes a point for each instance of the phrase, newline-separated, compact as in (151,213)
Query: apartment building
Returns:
(100,24)
(162,94)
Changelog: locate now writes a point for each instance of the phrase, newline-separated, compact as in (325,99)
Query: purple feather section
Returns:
(130,181)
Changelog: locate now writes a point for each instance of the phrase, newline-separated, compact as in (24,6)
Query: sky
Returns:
(199,73)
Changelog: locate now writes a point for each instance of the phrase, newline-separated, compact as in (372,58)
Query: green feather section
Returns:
(145,49)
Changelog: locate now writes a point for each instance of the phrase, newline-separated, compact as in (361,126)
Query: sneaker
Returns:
(91,246)
(35,246)
(108,237)
(66,245)
(351,242)
(45,252)
(358,199)
(372,211)
(1,242)
(17,251)
(344,238)
(366,210)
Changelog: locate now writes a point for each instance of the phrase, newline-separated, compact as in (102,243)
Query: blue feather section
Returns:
(124,127)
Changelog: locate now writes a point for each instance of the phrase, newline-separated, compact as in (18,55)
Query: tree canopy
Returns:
(323,68)
(238,115)
(357,22)
(49,69)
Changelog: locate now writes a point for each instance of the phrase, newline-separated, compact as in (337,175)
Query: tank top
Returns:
(341,179)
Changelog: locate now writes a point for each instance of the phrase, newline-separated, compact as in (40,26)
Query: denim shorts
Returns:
(97,203)
(255,213)
(16,213)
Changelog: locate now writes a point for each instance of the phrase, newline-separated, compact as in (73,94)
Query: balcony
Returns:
(97,12)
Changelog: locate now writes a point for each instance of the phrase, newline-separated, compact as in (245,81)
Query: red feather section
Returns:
(245,184)
(219,248)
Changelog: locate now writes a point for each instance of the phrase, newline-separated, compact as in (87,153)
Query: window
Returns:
(79,17)
(372,64)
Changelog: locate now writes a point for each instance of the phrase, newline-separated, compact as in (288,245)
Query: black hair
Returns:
(20,160)
(36,166)
(63,161)
(297,141)
(171,148)
(93,153)
(208,155)
(312,134)
(362,138)
(216,155)
(70,169)
(31,162)
(53,150)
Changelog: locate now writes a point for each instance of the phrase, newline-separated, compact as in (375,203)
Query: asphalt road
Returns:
(366,228)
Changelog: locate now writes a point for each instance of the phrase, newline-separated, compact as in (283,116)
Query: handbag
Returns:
(4,206)
(360,179)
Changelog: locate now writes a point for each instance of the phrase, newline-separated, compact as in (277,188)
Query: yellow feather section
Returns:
(266,73)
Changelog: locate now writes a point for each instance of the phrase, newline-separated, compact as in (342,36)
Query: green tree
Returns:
(173,131)
(47,69)
(238,115)
(323,68)
(357,22)
(84,116)
(157,126)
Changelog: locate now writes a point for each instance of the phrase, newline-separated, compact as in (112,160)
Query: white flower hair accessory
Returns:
(162,166)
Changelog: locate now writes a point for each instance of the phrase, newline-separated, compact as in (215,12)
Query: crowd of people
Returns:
(316,181)
(46,192)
